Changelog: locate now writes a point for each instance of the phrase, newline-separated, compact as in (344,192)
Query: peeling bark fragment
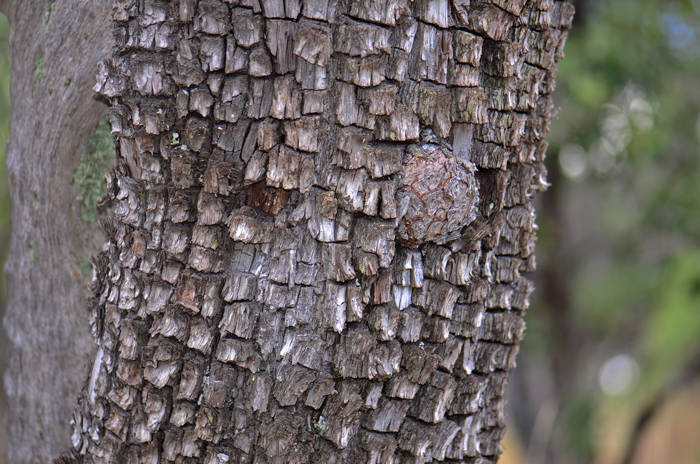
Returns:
(311,76)
(250,226)
(323,10)
(436,297)
(212,16)
(342,414)
(317,393)
(385,12)
(469,106)
(375,237)
(433,11)
(189,291)
(335,304)
(248,27)
(150,79)
(352,357)
(434,103)
(502,59)
(491,356)
(239,352)
(410,325)
(338,258)
(172,323)
(402,125)
(239,319)
(259,64)
(287,100)
(467,48)
(417,438)
(289,169)
(312,42)
(281,8)
(383,320)
(292,382)
(505,328)
(356,38)
(431,53)
(302,134)
(378,447)
(239,286)
(211,54)
(388,416)
(434,398)
(467,319)
(349,112)
(486,19)
(351,148)
(305,348)
(363,72)
(383,160)
(109,81)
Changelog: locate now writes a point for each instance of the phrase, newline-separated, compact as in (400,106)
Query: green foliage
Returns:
(577,418)
(89,177)
(672,333)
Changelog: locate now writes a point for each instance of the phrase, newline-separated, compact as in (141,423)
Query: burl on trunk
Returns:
(322,210)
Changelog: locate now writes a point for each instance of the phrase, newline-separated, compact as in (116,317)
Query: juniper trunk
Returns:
(321,213)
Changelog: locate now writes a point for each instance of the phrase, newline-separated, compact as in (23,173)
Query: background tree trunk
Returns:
(321,215)
(54,49)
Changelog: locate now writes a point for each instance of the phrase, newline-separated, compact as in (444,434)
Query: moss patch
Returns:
(85,267)
(33,256)
(89,178)
(39,67)
(50,8)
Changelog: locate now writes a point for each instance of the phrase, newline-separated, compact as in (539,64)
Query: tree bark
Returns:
(321,215)
(53,52)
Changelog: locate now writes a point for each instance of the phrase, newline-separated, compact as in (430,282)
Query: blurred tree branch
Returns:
(689,373)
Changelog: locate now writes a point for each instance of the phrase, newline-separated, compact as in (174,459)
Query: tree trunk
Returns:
(54,48)
(321,213)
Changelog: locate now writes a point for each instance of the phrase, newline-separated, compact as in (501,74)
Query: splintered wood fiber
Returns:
(322,211)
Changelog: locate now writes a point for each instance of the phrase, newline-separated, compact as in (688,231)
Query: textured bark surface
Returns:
(47,318)
(322,214)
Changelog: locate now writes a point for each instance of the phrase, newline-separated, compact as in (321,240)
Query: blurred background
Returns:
(609,372)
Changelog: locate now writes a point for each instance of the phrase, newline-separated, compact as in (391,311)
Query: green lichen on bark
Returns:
(50,8)
(39,67)
(33,256)
(85,267)
(89,177)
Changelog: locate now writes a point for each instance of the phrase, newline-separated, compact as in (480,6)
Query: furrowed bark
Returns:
(322,213)
(53,52)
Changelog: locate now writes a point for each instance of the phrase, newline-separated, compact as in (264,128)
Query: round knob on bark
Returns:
(441,195)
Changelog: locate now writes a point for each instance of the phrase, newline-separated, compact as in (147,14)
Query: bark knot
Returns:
(439,194)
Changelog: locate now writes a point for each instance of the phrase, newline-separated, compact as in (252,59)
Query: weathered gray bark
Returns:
(322,213)
(47,318)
